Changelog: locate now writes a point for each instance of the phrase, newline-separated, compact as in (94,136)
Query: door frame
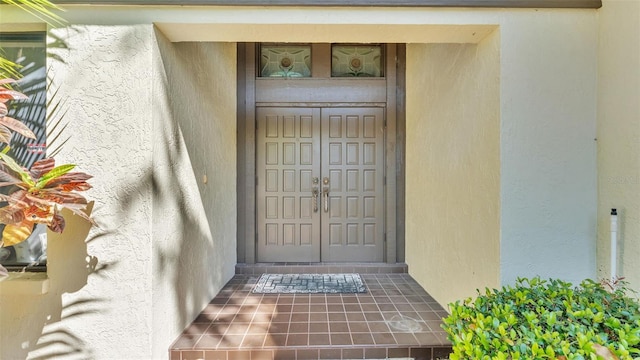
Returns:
(393,99)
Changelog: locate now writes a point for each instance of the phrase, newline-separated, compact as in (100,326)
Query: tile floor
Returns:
(396,318)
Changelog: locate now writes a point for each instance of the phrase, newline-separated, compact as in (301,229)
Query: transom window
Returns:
(344,60)
(285,61)
(356,61)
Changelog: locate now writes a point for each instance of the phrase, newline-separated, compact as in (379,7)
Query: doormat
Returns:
(309,284)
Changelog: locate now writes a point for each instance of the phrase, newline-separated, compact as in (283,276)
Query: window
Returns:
(356,61)
(29,51)
(285,61)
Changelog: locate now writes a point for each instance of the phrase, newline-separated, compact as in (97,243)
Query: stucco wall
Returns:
(548,172)
(194,162)
(619,135)
(36,323)
(150,120)
(104,83)
(453,167)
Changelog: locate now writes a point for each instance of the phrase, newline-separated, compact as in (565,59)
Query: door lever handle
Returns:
(325,195)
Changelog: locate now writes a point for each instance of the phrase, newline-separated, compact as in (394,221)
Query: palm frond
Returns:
(55,124)
(42,9)
(32,112)
(8,69)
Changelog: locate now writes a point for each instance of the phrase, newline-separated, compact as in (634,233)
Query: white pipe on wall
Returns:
(614,243)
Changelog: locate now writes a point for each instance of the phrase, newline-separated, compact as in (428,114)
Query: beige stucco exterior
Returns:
(194,139)
(166,235)
(453,167)
(619,136)
(500,154)
(108,103)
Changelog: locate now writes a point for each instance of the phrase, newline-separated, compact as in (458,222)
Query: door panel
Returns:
(338,152)
(352,227)
(287,161)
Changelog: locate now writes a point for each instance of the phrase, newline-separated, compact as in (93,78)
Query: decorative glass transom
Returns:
(285,61)
(356,61)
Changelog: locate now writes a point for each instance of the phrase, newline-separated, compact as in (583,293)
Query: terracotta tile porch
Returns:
(396,318)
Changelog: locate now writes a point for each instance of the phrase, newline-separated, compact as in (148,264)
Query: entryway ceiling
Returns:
(325,33)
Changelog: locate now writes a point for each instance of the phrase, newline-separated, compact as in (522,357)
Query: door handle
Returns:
(314,194)
(325,195)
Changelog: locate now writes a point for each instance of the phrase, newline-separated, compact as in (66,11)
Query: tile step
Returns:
(321,268)
(397,353)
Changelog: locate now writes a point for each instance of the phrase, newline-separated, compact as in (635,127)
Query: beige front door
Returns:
(320,184)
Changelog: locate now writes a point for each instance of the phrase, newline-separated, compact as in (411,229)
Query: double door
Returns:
(320,184)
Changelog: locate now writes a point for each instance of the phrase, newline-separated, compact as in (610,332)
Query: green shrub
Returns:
(546,319)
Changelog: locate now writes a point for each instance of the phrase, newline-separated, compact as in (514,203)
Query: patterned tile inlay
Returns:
(309,284)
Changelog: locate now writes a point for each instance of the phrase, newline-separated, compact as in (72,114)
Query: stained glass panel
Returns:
(356,61)
(285,61)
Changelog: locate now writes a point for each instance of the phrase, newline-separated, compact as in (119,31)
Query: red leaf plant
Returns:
(38,194)
(9,124)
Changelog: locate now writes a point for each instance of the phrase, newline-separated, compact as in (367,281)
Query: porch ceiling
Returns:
(361,33)
(419,3)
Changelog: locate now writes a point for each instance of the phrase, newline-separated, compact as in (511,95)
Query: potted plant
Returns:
(35,195)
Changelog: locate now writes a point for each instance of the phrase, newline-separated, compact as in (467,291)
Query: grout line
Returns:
(394,289)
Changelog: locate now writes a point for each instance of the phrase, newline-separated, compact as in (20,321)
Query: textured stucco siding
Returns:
(619,136)
(150,120)
(453,167)
(547,171)
(104,85)
(548,153)
(194,162)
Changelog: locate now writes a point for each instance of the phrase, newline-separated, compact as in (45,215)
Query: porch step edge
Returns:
(335,353)
(321,268)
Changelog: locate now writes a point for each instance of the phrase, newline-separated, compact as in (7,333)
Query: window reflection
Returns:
(28,50)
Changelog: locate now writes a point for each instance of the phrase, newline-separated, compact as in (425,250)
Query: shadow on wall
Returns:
(172,191)
(188,264)
(33,326)
(182,258)
(188,135)
(190,218)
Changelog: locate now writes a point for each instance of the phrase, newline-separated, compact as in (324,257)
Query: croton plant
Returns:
(35,195)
